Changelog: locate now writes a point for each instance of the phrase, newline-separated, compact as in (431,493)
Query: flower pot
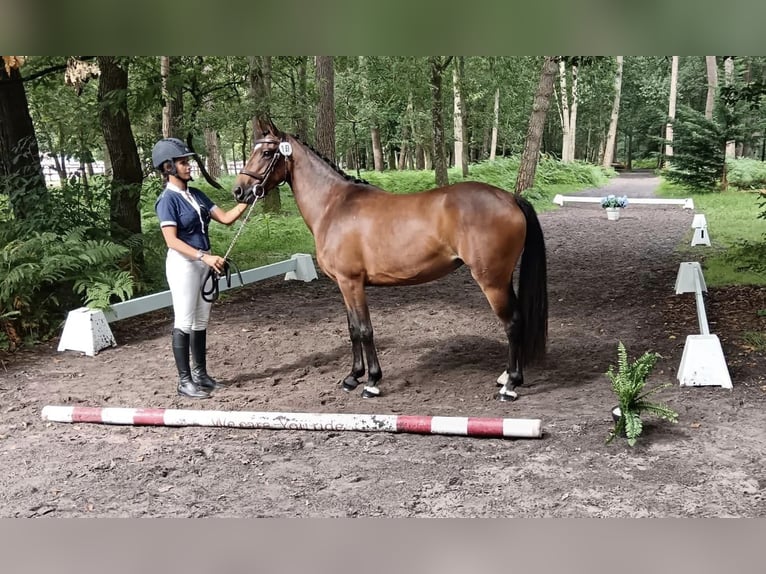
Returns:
(612,213)
(616,414)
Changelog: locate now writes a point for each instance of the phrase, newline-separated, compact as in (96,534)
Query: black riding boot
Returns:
(186,386)
(199,363)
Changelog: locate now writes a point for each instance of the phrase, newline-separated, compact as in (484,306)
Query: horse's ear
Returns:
(262,127)
(266,127)
(274,129)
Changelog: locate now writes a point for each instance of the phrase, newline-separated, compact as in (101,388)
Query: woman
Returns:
(184,213)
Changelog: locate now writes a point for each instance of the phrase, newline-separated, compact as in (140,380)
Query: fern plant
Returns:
(628,383)
(41,272)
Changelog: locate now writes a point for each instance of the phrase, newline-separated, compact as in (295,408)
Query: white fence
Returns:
(702,362)
(687,203)
(75,170)
(87,330)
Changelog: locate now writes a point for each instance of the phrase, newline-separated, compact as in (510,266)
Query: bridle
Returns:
(210,289)
(284,149)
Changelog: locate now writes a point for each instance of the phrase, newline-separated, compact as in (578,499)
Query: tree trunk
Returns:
(712,85)
(437,115)
(671,108)
(302,122)
(245,140)
(573,113)
(19,153)
(260,92)
(728,66)
(167,104)
(221,155)
(565,129)
(461,159)
(213,154)
(406,155)
(377,149)
(59,163)
(420,157)
(172,97)
(125,215)
(528,165)
(391,159)
(611,138)
(325,125)
(495,125)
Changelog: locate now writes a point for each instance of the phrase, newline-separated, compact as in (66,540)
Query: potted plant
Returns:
(628,383)
(612,204)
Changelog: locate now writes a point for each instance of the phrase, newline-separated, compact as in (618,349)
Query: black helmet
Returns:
(169,149)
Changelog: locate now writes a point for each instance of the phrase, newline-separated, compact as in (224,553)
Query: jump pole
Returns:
(462,426)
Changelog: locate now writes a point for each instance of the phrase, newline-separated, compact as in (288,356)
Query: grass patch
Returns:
(755,340)
(737,255)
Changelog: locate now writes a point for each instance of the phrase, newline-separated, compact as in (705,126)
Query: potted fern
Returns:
(628,383)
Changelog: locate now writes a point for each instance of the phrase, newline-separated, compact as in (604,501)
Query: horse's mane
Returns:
(331,164)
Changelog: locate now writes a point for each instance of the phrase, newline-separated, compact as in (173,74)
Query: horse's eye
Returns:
(268,153)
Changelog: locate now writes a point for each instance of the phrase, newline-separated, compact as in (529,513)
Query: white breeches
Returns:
(185,278)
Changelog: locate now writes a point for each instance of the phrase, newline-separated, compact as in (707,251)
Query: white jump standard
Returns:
(461,426)
(702,362)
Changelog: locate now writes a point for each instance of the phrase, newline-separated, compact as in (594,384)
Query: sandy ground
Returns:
(283,346)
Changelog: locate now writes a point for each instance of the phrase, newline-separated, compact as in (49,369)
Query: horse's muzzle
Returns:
(242,195)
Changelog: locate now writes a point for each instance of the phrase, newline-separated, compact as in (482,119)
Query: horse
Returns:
(368,236)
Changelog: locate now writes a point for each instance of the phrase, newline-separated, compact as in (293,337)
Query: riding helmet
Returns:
(169,149)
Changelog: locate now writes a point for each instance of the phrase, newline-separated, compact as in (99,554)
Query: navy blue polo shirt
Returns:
(173,209)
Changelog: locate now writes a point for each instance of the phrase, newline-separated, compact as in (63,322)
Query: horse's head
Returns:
(267,166)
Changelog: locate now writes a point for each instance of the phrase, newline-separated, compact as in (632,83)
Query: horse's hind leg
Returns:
(362,340)
(514,373)
(503,301)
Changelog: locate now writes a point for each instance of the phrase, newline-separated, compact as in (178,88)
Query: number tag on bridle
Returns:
(285,149)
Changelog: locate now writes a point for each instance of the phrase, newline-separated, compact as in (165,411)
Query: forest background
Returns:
(77,189)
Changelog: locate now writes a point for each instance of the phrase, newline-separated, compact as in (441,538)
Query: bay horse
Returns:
(367,236)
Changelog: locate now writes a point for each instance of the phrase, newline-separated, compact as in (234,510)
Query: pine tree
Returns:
(699,146)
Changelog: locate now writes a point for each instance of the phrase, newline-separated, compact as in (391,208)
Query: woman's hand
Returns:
(214,261)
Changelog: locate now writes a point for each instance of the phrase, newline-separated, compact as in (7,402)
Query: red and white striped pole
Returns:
(464,426)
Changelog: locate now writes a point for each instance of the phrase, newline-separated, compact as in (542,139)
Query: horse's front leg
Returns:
(357,367)
(362,339)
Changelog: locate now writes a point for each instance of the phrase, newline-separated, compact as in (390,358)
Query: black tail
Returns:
(533,288)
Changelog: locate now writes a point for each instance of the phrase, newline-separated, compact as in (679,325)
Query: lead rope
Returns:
(211,294)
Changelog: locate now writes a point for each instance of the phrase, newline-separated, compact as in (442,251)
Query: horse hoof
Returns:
(349,384)
(370,392)
(505,395)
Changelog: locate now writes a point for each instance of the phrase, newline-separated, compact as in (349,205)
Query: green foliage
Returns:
(746,173)
(501,173)
(698,151)
(756,340)
(100,288)
(628,383)
(41,271)
(738,253)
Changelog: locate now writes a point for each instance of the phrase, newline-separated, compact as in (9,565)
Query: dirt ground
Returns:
(283,346)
